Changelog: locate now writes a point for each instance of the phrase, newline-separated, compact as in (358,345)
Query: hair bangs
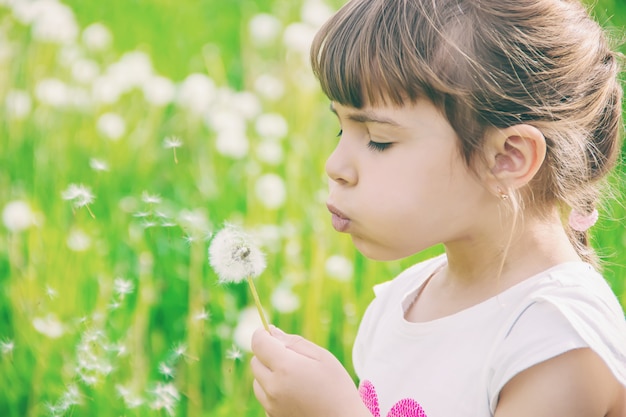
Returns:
(357,63)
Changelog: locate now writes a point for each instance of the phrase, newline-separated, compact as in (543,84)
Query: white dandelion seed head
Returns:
(98,165)
(271,191)
(158,90)
(7,346)
(106,89)
(234,353)
(339,268)
(196,222)
(78,240)
(264,28)
(285,300)
(172,142)
(196,93)
(148,198)
(97,37)
(269,87)
(85,70)
(52,92)
(271,126)
(234,256)
(166,370)
(315,12)
(298,37)
(131,398)
(18,216)
(55,23)
(51,292)
(49,326)
(233,144)
(111,125)
(131,70)
(247,322)
(18,104)
(270,152)
(165,397)
(202,315)
(78,194)
(122,287)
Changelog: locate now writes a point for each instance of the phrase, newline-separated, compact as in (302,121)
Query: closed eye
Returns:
(378,146)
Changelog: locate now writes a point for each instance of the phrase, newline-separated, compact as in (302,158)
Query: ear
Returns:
(514,156)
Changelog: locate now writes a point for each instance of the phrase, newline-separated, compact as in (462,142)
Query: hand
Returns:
(295,377)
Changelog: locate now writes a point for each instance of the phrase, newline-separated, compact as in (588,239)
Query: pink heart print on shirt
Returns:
(406,407)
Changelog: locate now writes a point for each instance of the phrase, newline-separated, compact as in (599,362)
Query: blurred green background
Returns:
(129,132)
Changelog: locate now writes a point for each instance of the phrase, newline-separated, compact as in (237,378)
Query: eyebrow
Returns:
(364,116)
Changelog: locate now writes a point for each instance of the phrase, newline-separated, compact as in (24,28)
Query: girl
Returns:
(485,126)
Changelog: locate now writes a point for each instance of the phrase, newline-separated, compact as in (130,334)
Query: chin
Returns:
(376,252)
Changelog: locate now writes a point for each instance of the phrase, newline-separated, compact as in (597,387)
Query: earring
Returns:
(503,196)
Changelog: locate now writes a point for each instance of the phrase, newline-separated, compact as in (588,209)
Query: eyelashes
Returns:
(375,146)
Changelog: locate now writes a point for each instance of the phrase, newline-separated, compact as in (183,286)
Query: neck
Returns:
(508,258)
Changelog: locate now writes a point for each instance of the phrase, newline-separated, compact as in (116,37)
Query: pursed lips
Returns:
(340,221)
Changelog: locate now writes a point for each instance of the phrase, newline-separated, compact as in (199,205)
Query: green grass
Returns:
(110,347)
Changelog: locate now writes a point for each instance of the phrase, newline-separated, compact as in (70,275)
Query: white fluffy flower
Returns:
(271,126)
(17,216)
(234,256)
(247,322)
(196,93)
(271,191)
(264,28)
(285,300)
(112,126)
(49,326)
(18,104)
(97,37)
(339,268)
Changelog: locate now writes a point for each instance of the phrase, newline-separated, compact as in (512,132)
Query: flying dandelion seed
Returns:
(123,287)
(80,196)
(173,142)
(166,370)
(234,353)
(7,347)
(234,257)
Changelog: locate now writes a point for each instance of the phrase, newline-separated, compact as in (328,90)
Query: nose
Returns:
(340,165)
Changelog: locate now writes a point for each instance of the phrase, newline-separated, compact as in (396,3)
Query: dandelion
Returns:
(166,397)
(123,287)
(51,292)
(150,198)
(234,353)
(234,257)
(17,216)
(339,268)
(78,240)
(179,350)
(98,165)
(271,191)
(202,315)
(80,195)
(173,142)
(7,347)
(166,370)
(111,125)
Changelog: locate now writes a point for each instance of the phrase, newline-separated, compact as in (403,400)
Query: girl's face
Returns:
(398,183)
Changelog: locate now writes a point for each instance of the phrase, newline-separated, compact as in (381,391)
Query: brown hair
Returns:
(489,63)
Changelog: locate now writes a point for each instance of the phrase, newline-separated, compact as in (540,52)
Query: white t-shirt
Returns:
(456,366)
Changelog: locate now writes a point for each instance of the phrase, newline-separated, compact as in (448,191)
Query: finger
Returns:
(260,394)
(298,344)
(268,349)
(261,372)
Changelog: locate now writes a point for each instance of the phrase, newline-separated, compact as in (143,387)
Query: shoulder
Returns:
(570,321)
(576,383)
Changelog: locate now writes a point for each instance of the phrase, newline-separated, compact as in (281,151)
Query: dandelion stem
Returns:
(90,212)
(175,158)
(255,295)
